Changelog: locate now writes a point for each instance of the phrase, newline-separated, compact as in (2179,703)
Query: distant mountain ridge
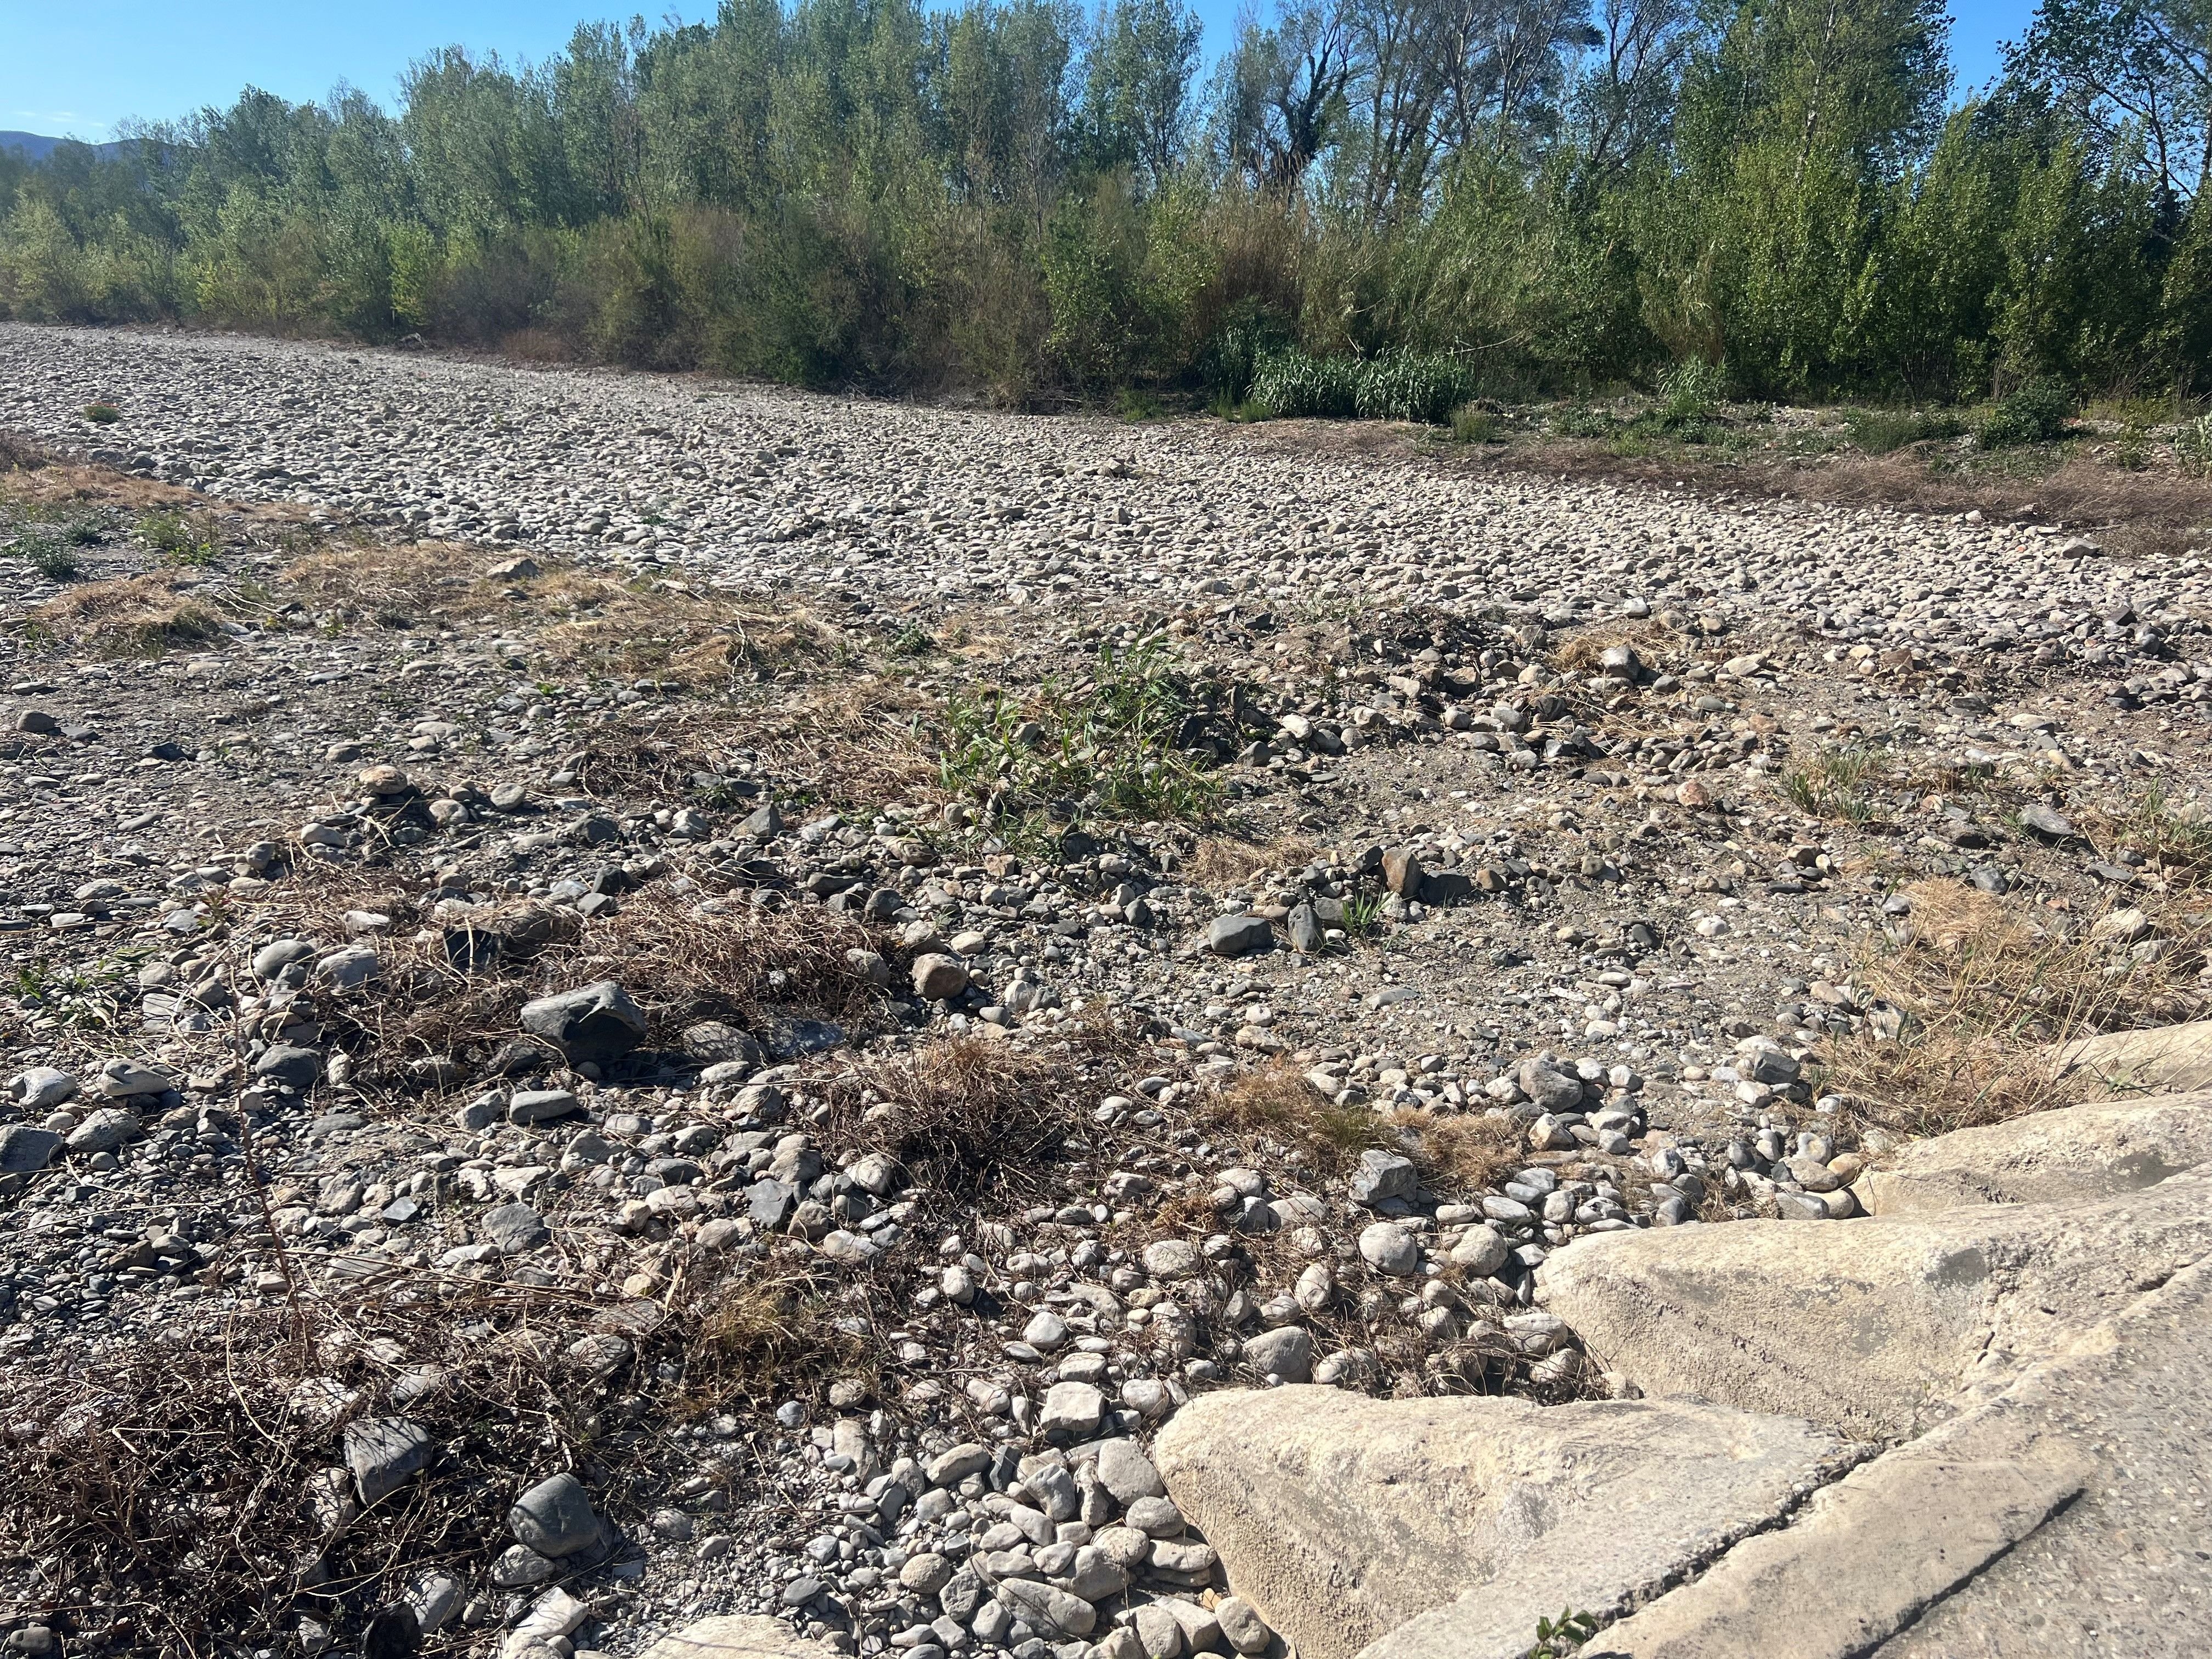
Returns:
(35,146)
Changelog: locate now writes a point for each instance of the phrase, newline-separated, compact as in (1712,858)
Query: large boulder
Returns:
(1341,1517)
(2175,1059)
(1877,1327)
(2073,1154)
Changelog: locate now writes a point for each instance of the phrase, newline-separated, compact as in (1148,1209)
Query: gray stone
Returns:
(1879,1328)
(1287,1353)
(1239,935)
(770,1202)
(1481,1251)
(511,1229)
(1051,1613)
(1551,1090)
(1071,1411)
(2070,1153)
(938,978)
(274,959)
(349,969)
(710,1042)
(1304,929)
(103,1131)
(384,1453)
(1241,1624)
(297,1069)
(1383,1175)
(2177,1059)
(41,1088)
(596,1023)
(743,1636)
(1387,1247)
(1126,1472)
(541,1105)
(26,1150)
(555,1517)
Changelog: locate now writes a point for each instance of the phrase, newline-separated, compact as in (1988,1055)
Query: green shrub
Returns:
(1690,393)
(1412,385)
(2193,446)
(102,414)
(179,538)
(1582,420)
(1393,385)
(1471,425)
(2036,414)
(1291,384)
(46,552)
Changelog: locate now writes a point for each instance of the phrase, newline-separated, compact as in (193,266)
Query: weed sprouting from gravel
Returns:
(1105,742)
(45,552)
(181,538)
(1834,785)
(2175,836)
(102,414)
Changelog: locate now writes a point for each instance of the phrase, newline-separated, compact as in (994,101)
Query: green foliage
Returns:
(1834,785)
(1473,425)
(1557,1638)
(179,538)
(1394,385)
(102,414)
(2036,414)
(1103,744)
(2194,445)
(1365,213)
(1880,431)
(45,552)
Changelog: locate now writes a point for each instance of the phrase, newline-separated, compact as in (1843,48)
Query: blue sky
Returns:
(74,68)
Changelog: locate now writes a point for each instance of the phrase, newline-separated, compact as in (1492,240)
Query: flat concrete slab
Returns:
(1880,1328)
(1341,1518)
(2063,1156)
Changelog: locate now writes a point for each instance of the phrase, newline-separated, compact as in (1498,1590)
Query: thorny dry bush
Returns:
(1982,986)
(186,1495)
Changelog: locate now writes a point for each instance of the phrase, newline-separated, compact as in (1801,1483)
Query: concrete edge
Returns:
(1872,1551)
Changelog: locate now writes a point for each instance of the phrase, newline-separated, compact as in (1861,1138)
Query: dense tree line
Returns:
(1018,196)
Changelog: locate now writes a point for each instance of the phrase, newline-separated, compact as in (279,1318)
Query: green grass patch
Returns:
(1105,744)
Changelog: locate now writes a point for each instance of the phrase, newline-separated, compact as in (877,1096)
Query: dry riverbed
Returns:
(642,997)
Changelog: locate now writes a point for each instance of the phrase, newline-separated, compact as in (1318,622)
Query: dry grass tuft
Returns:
(747,968)
(1467,1152)
(1275,1103)
(1232,860)
(144,614)
(1980,984)
(773,1339)
(1584,653)
(568,618)
(965,1113)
